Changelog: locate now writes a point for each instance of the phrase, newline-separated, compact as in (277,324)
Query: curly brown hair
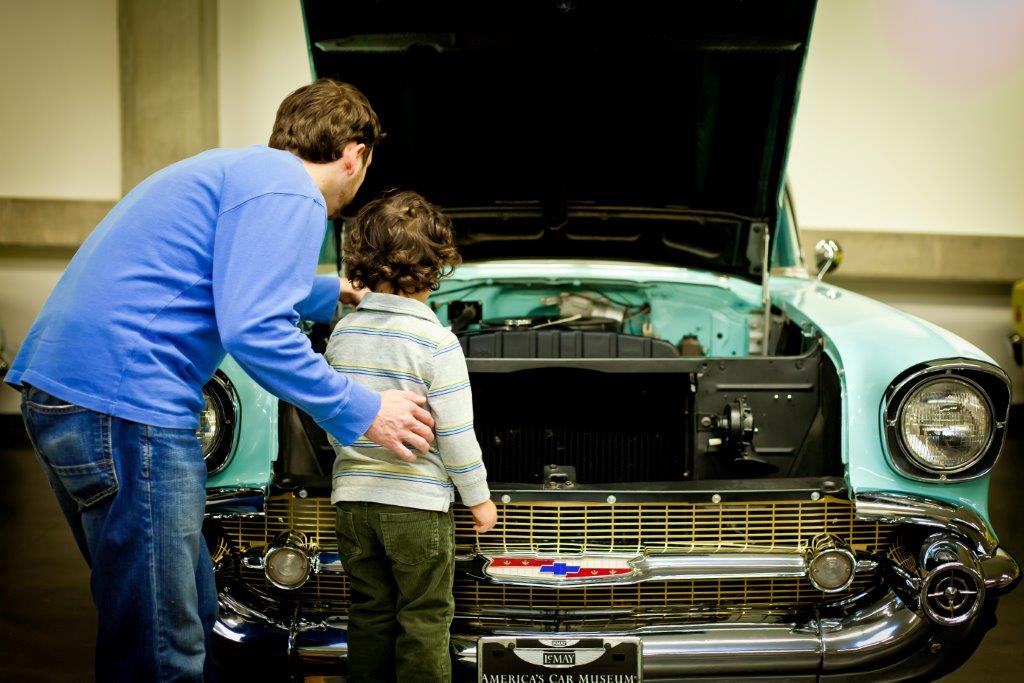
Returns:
(400,240)
(316,121)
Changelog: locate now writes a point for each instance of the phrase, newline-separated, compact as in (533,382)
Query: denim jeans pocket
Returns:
(410,537)
(39,401)
(74,443)
(345,528)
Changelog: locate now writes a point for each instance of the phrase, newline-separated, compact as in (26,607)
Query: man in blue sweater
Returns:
(214,254)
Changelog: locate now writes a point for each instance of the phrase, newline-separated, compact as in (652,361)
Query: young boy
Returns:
(394,521)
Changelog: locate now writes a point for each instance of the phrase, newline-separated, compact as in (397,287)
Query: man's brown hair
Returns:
(401,240)
(318,120)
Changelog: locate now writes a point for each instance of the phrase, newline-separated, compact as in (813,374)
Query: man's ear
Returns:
(355,156)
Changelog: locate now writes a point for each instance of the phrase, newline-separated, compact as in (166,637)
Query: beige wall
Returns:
(262,52)
(910,117)
(60,133)
(60,120)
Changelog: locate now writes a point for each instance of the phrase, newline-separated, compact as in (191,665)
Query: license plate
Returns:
(583,660)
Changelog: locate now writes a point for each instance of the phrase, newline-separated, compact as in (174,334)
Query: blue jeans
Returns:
(134,496)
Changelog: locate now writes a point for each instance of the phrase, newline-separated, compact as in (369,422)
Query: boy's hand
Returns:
(401,423)
(485,515)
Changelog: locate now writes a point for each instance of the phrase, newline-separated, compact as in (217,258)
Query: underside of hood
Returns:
(647,130)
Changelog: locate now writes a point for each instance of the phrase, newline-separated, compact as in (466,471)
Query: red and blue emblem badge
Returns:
(556,569)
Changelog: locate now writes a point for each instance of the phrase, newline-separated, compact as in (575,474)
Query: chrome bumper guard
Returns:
(901,620)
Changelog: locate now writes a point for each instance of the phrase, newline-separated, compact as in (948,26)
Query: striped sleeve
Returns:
(451,402)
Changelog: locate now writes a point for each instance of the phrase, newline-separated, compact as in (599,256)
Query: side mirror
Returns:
(827,256)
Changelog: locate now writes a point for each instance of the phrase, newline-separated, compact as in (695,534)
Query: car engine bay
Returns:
(577,386)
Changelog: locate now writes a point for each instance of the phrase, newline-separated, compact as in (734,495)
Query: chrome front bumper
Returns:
(887,633)
(886,636)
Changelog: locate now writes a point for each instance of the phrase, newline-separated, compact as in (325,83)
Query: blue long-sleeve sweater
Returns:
(214,253)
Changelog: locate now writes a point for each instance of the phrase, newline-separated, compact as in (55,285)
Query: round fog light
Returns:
(831,571)
(287,567)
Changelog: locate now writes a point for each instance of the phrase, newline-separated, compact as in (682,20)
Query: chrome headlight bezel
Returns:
(225,403)
(986,379)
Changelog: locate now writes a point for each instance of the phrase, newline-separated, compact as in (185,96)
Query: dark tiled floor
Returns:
(47,622)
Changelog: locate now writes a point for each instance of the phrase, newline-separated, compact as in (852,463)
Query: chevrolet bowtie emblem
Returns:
(558,569)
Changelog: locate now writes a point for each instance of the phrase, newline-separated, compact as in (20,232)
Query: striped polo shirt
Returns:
(393,342)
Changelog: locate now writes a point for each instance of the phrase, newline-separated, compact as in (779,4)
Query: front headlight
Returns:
(210,423)
(216,423)
(945,425)
(947,421)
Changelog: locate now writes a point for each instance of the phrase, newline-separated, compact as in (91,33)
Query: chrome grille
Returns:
(331,592)
(899,554)
(601,527)
(595,527)
(475,596)
(670,527)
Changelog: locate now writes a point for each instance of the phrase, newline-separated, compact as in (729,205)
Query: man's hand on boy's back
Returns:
(349,294)
(485,515)
(402,423)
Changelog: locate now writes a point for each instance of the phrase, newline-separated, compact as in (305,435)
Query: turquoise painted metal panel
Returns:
(871,344)
(256,431)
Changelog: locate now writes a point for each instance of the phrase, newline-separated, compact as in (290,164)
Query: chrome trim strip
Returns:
(655,566)
(900,508)
(724,566)
(320,562)
(327,563)
(227,503)
(790,271)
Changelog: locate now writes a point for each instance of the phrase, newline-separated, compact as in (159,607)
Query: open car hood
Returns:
(647,130)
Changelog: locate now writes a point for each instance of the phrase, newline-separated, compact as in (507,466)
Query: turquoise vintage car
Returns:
(707,462)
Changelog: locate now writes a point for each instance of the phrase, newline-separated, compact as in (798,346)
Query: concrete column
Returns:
(168,51)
